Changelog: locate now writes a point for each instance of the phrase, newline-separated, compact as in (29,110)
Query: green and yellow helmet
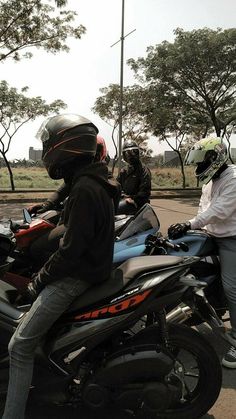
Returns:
(209,155)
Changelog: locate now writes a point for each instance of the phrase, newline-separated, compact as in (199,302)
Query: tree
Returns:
(134,126)
(199,66)
(25,24)
(16,109)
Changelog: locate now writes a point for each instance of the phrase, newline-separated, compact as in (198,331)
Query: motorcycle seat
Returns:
(101,291)
(120,277)
(139,265)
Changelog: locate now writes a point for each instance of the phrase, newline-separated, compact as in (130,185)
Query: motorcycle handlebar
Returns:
(161,242)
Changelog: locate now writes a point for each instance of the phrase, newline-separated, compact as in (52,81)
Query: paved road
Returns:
(169,211)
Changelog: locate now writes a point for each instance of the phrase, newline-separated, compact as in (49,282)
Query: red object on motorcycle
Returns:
(18,281)
(36,229)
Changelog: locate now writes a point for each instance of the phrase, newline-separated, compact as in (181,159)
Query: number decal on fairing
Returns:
(115,308)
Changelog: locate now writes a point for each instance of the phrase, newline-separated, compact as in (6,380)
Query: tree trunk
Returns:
(9,171)
(229,153)
(182,170)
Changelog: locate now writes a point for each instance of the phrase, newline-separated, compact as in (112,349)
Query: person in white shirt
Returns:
(216,214)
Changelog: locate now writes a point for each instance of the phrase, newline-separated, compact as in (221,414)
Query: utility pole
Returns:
(121,40)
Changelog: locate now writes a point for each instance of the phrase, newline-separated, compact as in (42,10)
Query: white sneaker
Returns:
(229,359)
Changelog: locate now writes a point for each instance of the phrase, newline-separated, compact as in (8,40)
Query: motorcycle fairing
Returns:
(90,332)
(113,309)
(37,227)
(120,278)
(199,243)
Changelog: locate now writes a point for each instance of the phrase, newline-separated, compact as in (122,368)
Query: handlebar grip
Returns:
(172,246)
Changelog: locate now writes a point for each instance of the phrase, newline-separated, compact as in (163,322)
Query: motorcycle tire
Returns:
(203,396)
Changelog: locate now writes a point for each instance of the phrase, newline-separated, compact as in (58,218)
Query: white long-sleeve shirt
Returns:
(217,207)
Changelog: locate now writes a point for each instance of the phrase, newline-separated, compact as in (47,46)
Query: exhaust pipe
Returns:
(179,314)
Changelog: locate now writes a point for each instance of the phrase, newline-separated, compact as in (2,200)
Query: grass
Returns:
(35,177)
(32,177)
(172,178)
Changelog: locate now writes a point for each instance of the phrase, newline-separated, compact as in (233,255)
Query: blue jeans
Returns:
(50,304)
(227,255)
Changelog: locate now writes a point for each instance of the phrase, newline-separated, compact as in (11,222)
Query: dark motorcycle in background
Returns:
(114,346)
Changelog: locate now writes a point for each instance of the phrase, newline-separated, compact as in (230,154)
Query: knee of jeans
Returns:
(230,291)
(12,345)
(20,347)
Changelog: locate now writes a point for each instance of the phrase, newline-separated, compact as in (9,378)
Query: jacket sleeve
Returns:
(144,187)
(60,194)
(117,191)
(219,210)
(120,178)
(76,240)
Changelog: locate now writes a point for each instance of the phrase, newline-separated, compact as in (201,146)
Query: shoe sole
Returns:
(228,364)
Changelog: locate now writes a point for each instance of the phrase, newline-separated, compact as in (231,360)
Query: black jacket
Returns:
(136,183)
(86,250)
(63,191)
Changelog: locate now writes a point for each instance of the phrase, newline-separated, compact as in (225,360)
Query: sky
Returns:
(92,63)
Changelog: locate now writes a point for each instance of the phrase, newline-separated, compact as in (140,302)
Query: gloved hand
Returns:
(40,208)
(178,230)
(35,286)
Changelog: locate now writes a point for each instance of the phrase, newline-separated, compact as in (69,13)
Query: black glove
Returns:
(178,230)
(40,208)
(34,288)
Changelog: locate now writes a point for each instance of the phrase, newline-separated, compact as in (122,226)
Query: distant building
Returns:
(169,155)
(34,154)
(171,159)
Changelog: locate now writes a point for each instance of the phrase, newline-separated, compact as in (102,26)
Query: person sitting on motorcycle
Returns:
(45,245)
(135,180)
(85,254)
(216,214)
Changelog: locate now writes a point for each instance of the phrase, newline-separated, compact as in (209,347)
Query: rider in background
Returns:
(217,214)
(135,180)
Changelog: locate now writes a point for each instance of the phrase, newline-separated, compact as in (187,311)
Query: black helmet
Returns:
(130,151)
(66,137)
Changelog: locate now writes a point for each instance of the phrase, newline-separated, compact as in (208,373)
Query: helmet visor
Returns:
(194,156)
(42,133)
(131,153)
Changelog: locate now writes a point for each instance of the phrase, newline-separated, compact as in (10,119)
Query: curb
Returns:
(167,194)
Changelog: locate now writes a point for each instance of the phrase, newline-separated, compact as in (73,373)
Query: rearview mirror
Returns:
(26,216)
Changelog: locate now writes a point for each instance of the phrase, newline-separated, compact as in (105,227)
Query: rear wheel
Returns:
(199,371)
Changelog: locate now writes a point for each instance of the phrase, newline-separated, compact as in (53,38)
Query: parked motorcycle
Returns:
(115,347)
(130,235)
(208,303)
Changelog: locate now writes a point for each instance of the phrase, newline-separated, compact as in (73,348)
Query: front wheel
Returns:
(198,369)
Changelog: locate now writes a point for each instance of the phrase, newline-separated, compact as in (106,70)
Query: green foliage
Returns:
(26,24)
(199,71)
(107,107)
(15,110)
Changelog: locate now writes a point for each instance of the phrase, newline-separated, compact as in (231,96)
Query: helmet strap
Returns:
(221,170)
